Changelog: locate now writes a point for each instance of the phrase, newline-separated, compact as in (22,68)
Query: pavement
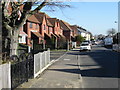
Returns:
(56,54)
(64,73)
(90,69)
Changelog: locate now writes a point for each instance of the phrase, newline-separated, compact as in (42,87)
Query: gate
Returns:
(22,69)
(30,59)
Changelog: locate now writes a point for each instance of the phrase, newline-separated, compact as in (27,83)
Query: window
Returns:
(31,25)
(22,39)
(36,26)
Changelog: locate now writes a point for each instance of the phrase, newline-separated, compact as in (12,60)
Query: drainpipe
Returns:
(56,43)
(44,44)
(29,49)
(68,45)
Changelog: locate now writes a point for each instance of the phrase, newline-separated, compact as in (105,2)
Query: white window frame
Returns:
(22,39)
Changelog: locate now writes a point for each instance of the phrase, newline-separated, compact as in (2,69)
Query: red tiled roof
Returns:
(40,17)
(52,21)
(74,27)
(32,18)
(67,24)
(64,25)
(48,23)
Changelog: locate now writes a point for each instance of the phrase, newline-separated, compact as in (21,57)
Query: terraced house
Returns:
(42,31)
(57,33)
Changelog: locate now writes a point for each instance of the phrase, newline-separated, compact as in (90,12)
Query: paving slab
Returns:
(65,73)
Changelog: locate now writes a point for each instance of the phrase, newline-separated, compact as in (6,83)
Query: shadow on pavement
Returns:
(75,71)
(80,65)
(106,60)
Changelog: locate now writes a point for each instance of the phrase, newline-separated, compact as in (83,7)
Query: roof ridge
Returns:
(67,25)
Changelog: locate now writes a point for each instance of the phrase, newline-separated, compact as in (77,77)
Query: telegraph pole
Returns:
(0,33)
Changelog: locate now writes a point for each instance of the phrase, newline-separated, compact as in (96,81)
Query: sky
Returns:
(96,17)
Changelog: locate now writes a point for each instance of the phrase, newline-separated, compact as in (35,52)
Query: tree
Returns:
(100,37)
(111,32)
(62,43)
(15,14)
(79,38)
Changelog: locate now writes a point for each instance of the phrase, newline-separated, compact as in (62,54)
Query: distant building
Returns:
(84,33)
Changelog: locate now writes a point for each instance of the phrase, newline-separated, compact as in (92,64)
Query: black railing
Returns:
(30,59)
(22,69)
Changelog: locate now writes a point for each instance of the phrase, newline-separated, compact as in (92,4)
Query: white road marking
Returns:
(67,59)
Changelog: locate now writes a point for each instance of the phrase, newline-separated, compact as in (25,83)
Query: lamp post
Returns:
(0,36)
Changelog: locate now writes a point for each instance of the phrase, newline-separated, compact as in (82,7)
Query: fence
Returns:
(22,69)
(5,76)
(41,60)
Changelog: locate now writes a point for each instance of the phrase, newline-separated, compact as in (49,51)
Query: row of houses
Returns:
(41,28)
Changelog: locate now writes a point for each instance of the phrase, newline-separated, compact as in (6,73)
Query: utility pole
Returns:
(119,24)
(0,33)
(118,36)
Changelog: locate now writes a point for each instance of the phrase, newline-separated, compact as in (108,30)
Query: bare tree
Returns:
(111,32)
(15,14)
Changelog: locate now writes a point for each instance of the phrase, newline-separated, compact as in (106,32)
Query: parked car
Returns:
(93,43)
(85,46)
(108,41)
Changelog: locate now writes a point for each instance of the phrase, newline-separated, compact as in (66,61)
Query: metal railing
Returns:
(22,68)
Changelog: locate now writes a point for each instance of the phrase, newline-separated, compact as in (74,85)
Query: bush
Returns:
(22,48)
(79,39)
(62,43)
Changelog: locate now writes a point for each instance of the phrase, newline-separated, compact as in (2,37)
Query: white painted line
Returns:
(80,70)
(61,56)
(67,59)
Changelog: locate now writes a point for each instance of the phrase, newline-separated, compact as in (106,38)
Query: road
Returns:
(88,69)
(99,68)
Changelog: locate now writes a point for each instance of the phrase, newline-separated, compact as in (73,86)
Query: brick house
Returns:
(67,32)
(32,29)
(41,17)
(75,30)
(46,28)
(56,32)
